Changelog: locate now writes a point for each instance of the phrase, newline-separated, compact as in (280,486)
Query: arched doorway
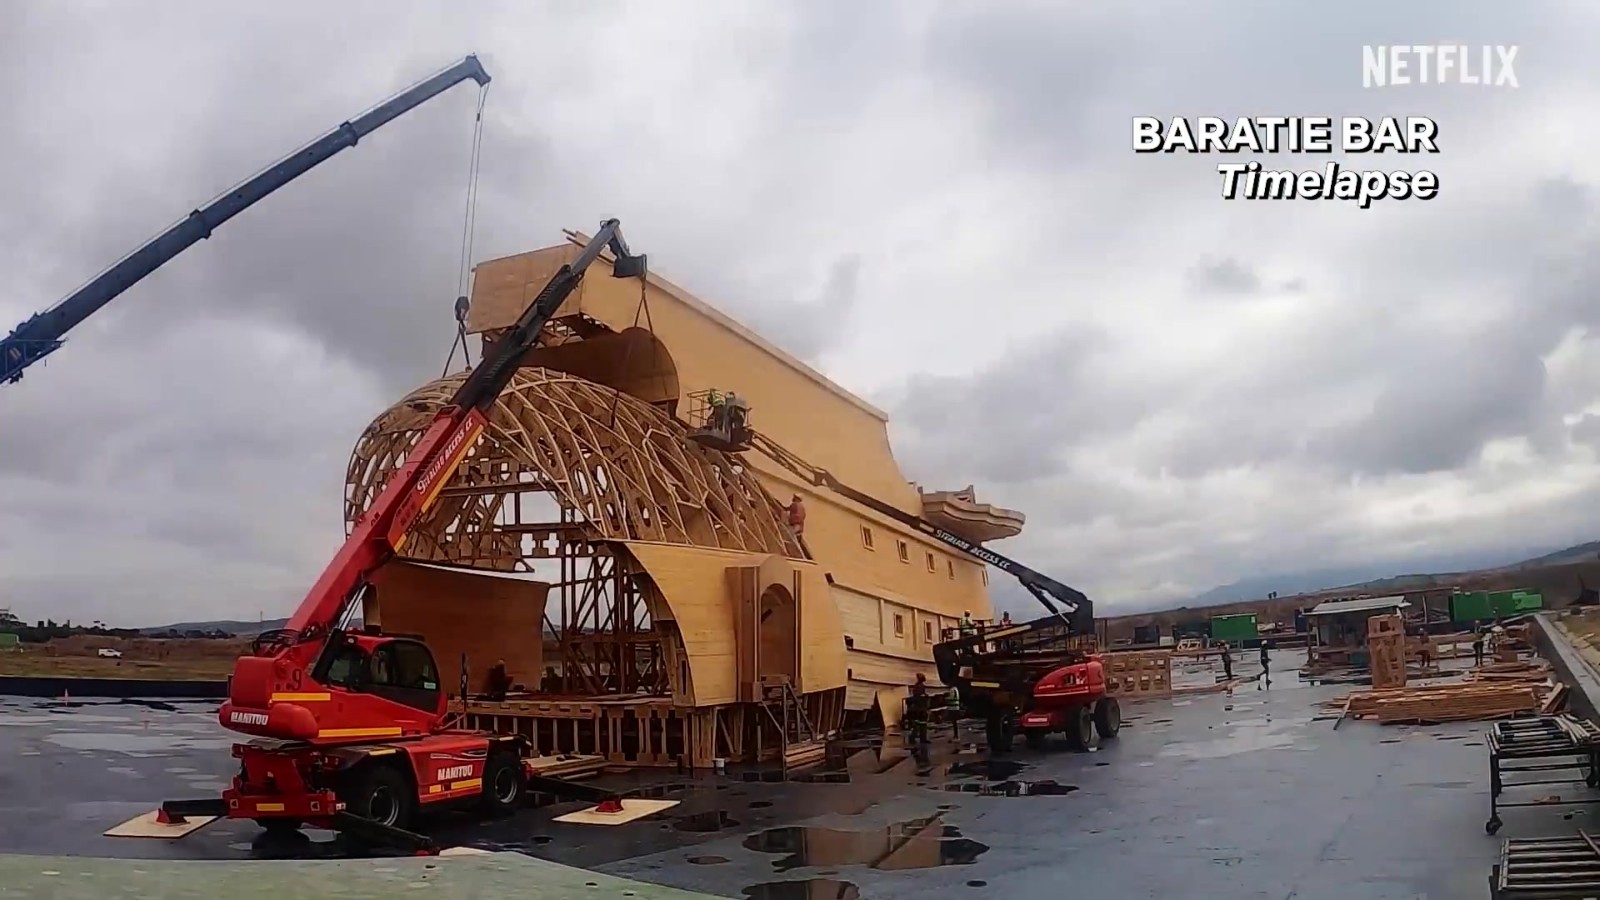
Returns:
(780,634)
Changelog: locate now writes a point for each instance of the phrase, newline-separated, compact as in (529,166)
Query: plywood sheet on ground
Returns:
(632,809)
(146,826)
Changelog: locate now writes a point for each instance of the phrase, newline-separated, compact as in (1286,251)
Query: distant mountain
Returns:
(1383,577)
(232,626)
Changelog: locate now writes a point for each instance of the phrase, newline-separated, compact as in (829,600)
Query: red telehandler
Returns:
(351,726)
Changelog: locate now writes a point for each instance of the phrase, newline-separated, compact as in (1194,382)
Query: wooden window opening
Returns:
(899,625)
(866,537)
(932,566)
(905,551)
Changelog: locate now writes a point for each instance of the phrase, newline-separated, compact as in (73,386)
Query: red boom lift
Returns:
(351,728)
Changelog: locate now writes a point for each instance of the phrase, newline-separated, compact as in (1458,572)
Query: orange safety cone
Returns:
(612,805)
(165,818)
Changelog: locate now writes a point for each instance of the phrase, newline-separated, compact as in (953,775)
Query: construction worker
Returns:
(716,409)
(966,626)
(1266,671)
(797,515)
(736,414)
(1227,660)
(917,711)
(1477,645)
(1005,620)
(499,681)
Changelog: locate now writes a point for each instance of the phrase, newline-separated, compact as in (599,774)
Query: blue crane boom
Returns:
(43,334)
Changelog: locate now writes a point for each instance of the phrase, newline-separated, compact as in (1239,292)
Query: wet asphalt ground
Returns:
(1209,796)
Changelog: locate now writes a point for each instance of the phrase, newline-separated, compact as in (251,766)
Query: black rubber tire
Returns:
(1107,717)
(503,783)
(998,733)
(1035,738)
(381,794)
(1080,728)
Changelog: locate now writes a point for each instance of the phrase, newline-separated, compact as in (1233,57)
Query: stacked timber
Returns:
(1531,670)
(1462,702)
(566,765)
(1442,703)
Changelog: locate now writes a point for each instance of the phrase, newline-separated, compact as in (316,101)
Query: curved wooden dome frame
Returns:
(616,468)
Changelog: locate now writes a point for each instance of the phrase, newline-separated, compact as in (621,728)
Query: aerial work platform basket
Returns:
(719,420)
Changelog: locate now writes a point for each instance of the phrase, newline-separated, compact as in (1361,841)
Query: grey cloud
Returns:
(1013,420)
(1224,276)
(807,329)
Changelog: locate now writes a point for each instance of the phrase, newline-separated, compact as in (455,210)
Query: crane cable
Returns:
(469,228)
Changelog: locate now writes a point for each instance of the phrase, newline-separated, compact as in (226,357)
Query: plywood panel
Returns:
(693,582)
(486,617)
(701,596)
(899,627)
(822,651)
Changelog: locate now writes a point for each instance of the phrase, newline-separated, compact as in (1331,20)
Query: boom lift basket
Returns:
(720,420)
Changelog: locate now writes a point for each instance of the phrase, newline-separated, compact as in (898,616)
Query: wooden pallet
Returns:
(1136,672)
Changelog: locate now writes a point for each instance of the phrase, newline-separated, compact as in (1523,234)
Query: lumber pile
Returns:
(569,765)
(1462,702)
(1530,670)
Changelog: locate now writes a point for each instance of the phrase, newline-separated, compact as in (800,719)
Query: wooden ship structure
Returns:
(640,585)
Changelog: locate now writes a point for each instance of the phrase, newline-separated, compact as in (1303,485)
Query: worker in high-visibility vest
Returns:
(916,717)
(716,406)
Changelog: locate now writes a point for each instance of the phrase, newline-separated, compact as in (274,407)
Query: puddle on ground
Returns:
(714,820)
(512,846)
(912,844)
(1013,788)
(158,705)
(1244,736)
(135,745)
(824,776)
(987,769)
(977,883)
(810,889)
(760,804)
(707,860)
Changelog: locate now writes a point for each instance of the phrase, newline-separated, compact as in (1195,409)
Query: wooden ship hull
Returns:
(644,591)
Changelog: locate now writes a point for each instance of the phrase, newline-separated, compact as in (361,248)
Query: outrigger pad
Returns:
(631,809)
(150,826)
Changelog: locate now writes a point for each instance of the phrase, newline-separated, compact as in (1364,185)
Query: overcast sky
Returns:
(935,203)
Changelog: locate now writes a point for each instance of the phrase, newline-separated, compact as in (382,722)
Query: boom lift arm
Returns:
(289,662)
(1074,608)
(43,334)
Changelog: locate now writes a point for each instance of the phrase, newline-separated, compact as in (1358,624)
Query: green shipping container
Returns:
(1241,627)
(1526,601)
(8,641)
(1469,606)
